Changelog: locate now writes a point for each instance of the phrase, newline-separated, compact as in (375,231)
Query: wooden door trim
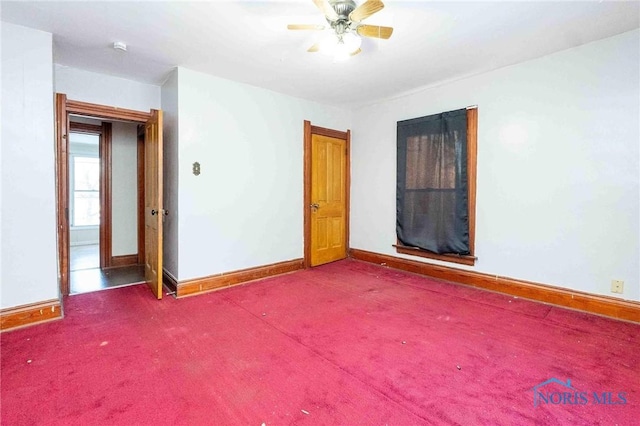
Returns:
(106,112)
(310,130)
(63,108)
(307,195)
(106,224)
(141,248)
(89,129)
(62,189)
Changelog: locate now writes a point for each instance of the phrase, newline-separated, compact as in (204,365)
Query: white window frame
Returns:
(72,190)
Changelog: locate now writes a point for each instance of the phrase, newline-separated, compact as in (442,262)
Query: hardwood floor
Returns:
(84,257)
(86,275)
(88,280)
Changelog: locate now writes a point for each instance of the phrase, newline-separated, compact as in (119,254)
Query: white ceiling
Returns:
(247,41)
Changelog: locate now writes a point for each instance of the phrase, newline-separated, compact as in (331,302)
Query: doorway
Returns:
(78,197)
(103,205)
(326,194)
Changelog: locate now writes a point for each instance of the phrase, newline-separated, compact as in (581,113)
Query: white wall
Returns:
(124,188)
(170,172)
(86,86)
(558,166)
(245,208)
(29,267)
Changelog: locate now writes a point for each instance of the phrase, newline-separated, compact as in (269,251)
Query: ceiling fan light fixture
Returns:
(340,46)
(347,45)
(328,42)
(351,42)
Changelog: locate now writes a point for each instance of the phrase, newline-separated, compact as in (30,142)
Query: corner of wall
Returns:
(170,107)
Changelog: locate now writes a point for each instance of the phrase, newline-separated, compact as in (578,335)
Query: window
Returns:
(436,181)
(85,184)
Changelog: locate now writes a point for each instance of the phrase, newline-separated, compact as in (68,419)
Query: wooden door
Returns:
(328,199)
(153,212)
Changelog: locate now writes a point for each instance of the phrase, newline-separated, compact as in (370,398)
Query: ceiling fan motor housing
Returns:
(343,8)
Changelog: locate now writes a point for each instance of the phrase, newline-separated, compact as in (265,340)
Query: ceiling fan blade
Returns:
(327,9)
(365,10)
(305,27)
(375,31)
(314,48)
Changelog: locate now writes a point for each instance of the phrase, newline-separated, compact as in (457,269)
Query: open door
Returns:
(64,108)
(153,212)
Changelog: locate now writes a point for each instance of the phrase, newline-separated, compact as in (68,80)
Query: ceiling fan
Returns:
(345,22)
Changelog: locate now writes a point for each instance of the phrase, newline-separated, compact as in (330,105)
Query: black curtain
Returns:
(431,200)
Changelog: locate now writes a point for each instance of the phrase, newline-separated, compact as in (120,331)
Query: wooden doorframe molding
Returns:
(63,109)
(62,189)
(105,196)
(106,112)
(89,129)
(310,130)
(140,147)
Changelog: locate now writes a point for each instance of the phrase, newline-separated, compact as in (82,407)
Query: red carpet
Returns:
(347,343)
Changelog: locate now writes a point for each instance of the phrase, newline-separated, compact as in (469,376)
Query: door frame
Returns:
(310,130)
(63,109)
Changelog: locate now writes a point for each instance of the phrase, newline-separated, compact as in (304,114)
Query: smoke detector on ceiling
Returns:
(118,45)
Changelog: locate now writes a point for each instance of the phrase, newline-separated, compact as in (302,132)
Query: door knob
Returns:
(315,206)
(153,212)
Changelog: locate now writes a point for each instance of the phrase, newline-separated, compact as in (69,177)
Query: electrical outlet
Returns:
(617,286)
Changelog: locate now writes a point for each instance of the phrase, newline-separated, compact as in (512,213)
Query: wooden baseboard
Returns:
(34,313)
(169,281)
(581,301)
(227,279)
(124,260)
